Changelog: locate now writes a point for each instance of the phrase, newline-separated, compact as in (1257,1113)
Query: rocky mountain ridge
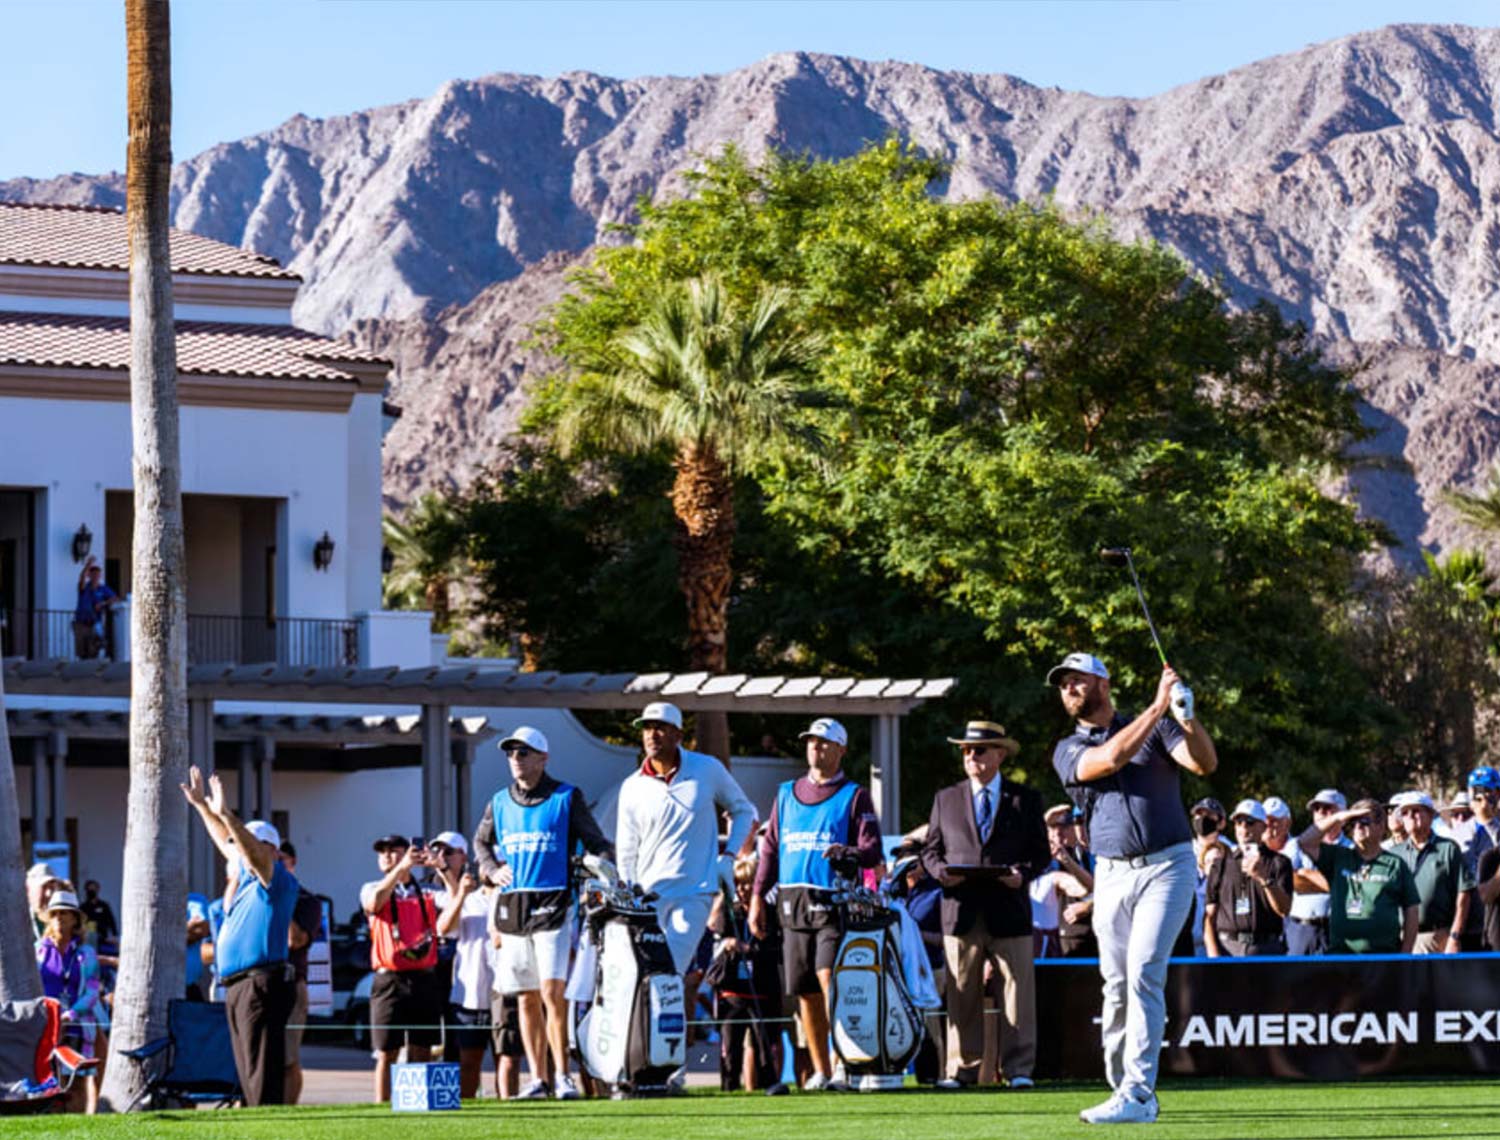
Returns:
(1356,183)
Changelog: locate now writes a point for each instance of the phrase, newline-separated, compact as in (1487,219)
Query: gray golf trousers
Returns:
(1139,908)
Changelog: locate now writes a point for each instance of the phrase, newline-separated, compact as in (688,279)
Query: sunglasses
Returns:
(1462,815)
(1362,821)
(520,750)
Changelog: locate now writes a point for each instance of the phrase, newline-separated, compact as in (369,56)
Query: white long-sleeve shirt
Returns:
(667,831)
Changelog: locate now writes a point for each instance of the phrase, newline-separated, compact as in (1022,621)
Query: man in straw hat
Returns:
(985,840)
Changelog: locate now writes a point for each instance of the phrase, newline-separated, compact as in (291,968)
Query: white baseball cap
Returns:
(826,728)
(1276,808)
(451,839)
(1332,797)
(264,831)
(1078,663)
(663,712)
(528,736)
(1249,809)
(1416,799)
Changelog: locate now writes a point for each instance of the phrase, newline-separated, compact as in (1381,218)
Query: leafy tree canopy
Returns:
(1013,390)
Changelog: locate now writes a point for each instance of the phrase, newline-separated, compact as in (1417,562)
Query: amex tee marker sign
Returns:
(424,1088)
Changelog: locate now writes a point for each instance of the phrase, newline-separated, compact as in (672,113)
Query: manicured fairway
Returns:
(1192,1110)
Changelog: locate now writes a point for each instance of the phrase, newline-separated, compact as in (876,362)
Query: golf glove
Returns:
(1182,703)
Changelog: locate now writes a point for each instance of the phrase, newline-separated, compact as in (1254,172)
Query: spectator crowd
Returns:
(472,939)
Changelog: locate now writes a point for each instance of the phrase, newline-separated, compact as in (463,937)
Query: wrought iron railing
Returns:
(49,635)
(229,639)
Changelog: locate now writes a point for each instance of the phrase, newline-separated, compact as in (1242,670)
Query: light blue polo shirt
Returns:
(255,926)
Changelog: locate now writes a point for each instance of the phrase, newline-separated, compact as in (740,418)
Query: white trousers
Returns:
(1138,913)
(683,920)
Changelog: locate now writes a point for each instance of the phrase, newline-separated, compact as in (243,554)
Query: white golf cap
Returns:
(1458,802)
(264,831)
(528,736)
(1417,800)
(1078,663)
(1249,809)
(1276,808)
(663,712)
(826,728)
(1332,797)
(451,839)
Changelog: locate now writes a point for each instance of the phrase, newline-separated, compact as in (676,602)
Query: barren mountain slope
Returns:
(1356,182)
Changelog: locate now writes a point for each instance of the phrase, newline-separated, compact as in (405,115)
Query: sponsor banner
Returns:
(1334,1018)
(425,1088)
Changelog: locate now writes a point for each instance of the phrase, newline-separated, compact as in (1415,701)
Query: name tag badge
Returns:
(1354,906)
(1242,906)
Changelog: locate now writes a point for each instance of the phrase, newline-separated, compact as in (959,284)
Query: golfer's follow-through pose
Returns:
(1124,775)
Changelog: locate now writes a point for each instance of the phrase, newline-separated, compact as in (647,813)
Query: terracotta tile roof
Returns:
(204,348)
(92,237)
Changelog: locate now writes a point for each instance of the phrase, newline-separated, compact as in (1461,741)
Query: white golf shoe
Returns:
(566,1089)
(1121,1109)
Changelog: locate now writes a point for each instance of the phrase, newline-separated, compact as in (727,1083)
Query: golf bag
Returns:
(877,1029)
(631,1031)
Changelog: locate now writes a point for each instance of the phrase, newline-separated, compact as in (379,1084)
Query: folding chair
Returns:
(35,1068)
(195,1060)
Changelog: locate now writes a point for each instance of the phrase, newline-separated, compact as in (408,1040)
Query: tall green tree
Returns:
(1014,389)
(717,385)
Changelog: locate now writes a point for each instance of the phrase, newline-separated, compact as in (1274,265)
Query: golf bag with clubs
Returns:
(877,1028)
(631,1027)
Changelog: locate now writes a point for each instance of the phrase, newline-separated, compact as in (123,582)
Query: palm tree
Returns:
(719,385)
(427,552)
(19,979)
(154,894)
(1481,510)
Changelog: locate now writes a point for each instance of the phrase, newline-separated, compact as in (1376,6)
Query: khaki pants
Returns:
(1428,942)
(965,957)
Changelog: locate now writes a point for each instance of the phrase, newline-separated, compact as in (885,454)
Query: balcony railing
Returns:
(49,635)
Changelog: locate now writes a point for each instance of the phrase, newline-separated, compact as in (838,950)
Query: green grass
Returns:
(1191,1110)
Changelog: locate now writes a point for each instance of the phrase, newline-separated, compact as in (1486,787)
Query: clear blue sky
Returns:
(241,67)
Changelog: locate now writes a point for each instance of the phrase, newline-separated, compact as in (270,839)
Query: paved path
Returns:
(343,1074)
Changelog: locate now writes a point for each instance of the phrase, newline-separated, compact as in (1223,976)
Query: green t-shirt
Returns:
(1366,900)
(1441,876)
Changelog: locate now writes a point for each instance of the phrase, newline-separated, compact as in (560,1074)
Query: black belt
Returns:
(1250,940)
(1432,928)
(1318,922)
(271,969)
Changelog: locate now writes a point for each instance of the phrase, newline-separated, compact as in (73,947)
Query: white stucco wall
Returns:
(76,450)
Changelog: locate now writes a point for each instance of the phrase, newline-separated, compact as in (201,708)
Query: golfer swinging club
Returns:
(1123,774)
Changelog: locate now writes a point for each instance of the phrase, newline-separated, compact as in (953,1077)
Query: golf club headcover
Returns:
(1182,703)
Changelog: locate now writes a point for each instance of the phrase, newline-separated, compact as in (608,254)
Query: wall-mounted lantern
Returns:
(323,552)
(83,542)
(387,560)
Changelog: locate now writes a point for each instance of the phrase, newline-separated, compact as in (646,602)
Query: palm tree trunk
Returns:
(437,602)
(18,977)
(703,502)
(154,895)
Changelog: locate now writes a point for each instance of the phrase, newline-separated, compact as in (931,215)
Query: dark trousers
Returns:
(258,1008)
(743,1019)
(1306,938)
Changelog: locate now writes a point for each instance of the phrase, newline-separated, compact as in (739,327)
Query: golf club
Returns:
(1120,556)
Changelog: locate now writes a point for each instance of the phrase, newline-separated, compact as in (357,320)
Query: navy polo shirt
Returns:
(255,925)
(1137,810)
